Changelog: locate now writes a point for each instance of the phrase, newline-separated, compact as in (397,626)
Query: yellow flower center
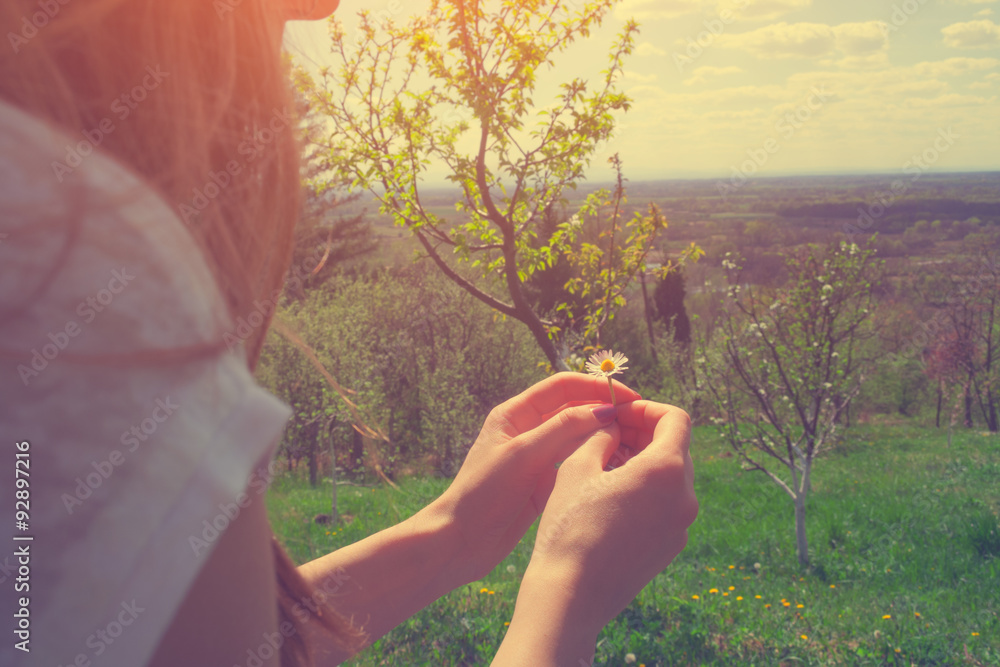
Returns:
(607,365)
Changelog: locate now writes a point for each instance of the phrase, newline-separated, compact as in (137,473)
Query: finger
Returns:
(558,437)
(591,457)
(536,405)
(646,422)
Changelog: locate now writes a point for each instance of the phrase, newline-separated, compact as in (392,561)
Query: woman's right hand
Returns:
(604,534)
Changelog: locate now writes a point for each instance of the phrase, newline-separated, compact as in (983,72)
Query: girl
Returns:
(149,184)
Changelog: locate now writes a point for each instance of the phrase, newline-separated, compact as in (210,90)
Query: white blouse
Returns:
(132,468)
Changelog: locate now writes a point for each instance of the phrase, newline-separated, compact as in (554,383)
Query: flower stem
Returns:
(612,388)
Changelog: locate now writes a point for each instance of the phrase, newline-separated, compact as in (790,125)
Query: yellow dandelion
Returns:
(738,598)
(484,590)
(695,597)
(725,595)
(713,590)
(887,617)
(506,622)
(732,567)
(757,596)
(732,588)
(804,636)
(832,586)
(975,634)
(491,592)
(767,606)
(916,614)
(800,606)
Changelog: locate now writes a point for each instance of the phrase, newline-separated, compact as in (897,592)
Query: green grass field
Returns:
(903,534)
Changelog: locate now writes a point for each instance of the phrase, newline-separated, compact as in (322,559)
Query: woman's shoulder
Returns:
(137,465)
(85,244)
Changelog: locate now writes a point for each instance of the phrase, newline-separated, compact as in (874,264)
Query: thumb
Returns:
(560,435)
(592,455)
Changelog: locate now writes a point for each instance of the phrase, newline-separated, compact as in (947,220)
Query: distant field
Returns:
(903,533)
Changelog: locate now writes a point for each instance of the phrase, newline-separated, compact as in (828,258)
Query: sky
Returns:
(731,88)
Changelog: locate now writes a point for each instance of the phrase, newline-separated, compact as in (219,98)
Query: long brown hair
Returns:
(216,92)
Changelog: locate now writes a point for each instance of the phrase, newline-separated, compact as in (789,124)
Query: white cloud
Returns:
(648,49)
(642,10)
(702,74)
(952,100)
(861,39)
(953,67)
(784,40)
(641,78)
(810,40)
(762,10)
(985,12)
(981,34)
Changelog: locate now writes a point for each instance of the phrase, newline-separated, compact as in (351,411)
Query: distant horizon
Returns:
(638,180)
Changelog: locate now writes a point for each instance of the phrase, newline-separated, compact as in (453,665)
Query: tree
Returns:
(402,98)
(788,363)
(324,240)
(972,337)
(669,297)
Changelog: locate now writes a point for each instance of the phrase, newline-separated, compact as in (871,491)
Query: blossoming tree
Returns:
(455,87)
(788,362)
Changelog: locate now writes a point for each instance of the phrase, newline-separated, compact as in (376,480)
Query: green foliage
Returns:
(984,533)
(607,266)
(900,386)
(424,360)
(669,299)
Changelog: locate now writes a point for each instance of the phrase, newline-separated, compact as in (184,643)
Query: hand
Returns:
(604,534)
(507,477)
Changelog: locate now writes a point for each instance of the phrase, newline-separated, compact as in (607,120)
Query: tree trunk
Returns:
(937,418)
(357,451)
(333,475)
(313,465)
(312,432)
(523,310)
(649,318)
(968,405)
(991,411)
(801,543)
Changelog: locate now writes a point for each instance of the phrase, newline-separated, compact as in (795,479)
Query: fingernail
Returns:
(605,413)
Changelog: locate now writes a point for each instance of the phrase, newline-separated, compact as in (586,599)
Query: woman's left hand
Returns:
(510,471)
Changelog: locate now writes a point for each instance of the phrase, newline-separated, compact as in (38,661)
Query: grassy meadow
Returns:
(903,534)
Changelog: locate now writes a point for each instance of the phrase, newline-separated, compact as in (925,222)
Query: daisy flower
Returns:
(606,363)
